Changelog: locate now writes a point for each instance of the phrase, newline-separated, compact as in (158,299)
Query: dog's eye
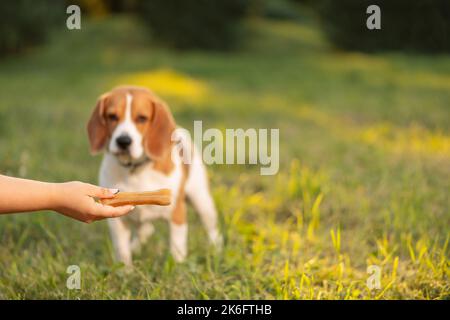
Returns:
(112,117)
(141,119)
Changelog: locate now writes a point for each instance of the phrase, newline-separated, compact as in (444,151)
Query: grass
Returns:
(364,175)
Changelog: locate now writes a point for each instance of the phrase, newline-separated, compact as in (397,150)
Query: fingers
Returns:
(99,192)
(104,211)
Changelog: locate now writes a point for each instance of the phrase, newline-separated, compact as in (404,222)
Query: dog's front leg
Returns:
(179,230)
(178,241)
(144,231)
(121,237)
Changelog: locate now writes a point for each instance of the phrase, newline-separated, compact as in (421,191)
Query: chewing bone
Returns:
(159,197)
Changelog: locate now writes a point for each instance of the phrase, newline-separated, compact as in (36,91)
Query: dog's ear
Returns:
(159,134)
(96,127)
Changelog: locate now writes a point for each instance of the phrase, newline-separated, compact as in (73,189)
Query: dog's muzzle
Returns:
(124,142)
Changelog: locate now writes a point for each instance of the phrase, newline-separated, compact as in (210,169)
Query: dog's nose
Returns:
(123,141)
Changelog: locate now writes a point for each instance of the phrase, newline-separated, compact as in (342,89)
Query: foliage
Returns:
(421,25)
(99,8)
(187,24)
(27,22)
(279,9)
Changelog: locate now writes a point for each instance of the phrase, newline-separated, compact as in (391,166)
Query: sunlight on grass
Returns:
(423,80)
(411,139)
(321,267)
(379,69)
(414,139)
(167,82)
(339,62)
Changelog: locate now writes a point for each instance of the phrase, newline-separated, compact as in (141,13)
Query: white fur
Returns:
(178,241)
(127,127)
(197,190)
(131,231)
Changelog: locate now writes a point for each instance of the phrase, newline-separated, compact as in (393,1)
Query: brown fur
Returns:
(150,114)
(154,121)
(179,214)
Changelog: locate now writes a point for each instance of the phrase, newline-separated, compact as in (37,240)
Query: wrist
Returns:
(53,196)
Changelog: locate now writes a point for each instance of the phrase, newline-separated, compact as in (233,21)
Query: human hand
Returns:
(76,200)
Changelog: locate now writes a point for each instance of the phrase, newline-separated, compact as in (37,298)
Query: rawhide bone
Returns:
(159,197)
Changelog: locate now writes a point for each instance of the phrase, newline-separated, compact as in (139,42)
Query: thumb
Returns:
(100,192)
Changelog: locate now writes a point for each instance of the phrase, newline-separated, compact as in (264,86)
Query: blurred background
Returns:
(364,143)
(201,24)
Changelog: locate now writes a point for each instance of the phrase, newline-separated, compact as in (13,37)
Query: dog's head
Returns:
(131,123)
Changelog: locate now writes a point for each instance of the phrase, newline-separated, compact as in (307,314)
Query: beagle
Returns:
(136,130)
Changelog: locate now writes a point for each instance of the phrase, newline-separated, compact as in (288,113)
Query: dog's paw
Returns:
(178,253)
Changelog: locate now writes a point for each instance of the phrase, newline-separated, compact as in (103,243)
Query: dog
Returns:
(136,131)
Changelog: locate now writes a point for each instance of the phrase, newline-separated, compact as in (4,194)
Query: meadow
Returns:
(364,167)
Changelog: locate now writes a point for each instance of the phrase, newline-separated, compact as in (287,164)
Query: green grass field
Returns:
(364,175)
